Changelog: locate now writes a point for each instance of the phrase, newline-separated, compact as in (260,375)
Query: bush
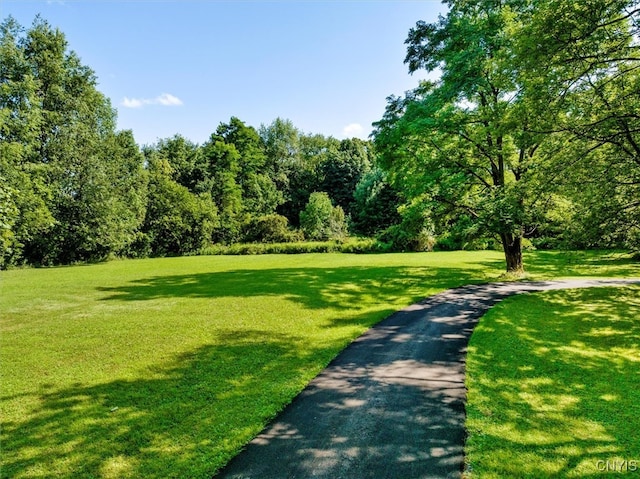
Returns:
(320,220)
(140,247)
(352,246)
(363,246)
(414,233)
(398,238)
(447,242)
(269,229)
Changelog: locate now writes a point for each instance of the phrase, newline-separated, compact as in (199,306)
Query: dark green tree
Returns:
(320,220)
(376,204)
(285,165)
(75,180)
(304,177)
(260,195)
(223,167)
(177,221)
(342,169)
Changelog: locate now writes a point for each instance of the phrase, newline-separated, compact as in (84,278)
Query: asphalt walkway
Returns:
(392,404)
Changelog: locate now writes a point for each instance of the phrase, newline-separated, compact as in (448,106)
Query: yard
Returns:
(166,367)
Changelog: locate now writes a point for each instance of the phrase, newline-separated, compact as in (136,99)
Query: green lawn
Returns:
(554,386)
(166,367)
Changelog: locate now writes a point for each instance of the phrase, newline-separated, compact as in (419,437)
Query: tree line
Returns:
(73,188)
(530,137)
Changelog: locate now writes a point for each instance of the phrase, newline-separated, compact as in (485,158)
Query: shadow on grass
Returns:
(390,406)
(338,288)
(555,386)
(190,417)
(550,264)
(183,421)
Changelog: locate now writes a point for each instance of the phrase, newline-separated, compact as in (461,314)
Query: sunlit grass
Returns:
(567,264)
(167,367)
(554,386)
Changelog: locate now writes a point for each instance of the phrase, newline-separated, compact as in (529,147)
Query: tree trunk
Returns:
(513,253)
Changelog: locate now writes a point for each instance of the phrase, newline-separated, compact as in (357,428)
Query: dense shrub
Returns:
(398,238)
(269,229)
(351,246)
(414,233)
(320,220)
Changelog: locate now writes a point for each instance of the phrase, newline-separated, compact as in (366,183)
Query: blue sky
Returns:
(186,66)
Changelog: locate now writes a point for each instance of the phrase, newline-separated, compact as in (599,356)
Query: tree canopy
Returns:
(530,135)
(516,100)
(75,185)
(74,188)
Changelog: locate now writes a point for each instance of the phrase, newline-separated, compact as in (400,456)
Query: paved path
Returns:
(392,404)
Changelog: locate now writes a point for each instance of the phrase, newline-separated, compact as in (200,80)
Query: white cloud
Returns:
(353,129)
(166,99)
(132,102)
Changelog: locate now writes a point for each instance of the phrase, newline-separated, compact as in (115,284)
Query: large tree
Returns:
(588,54)
(260,195)
(343,169)
(223,168)
(478,142)
(461,143)
(75,182)
(24,213)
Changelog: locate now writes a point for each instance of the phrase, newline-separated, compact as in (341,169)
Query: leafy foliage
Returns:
(509,122)
(376,204)
(320,220)
(177,221)
(77,185)
(531,132)
(269,229)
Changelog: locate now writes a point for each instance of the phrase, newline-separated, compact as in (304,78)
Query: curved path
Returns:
(392,404)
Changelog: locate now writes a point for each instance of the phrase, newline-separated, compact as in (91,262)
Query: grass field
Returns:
(554,386)
(166,367)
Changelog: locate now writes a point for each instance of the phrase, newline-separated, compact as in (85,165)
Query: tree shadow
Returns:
(557,398)
(338,288)
(175,423)
(384,447)
(581,263)
(391,405)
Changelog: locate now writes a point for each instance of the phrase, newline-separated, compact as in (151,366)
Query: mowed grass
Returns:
(167,367)
(554,386)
